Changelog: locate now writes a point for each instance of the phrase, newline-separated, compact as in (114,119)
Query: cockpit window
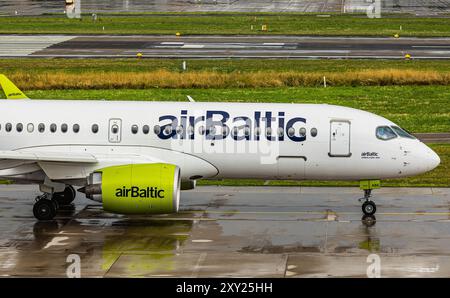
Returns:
(402,133)
(385,133)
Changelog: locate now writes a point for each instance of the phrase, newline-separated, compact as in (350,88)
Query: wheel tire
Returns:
(74,192)
(65,197)
(44,209)
(369,208)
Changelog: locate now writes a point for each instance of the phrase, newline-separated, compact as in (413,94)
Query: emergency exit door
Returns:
(340,138)
(115,130)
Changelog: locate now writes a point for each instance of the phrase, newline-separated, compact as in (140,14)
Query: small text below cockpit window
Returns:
(402,133)
(385,133)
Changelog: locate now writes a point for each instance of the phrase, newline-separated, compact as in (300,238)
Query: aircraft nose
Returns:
(435,160)
(432,159)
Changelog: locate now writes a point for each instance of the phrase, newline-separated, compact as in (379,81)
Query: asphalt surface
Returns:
(213,47)
(30,7)
(234,232)
(433,137)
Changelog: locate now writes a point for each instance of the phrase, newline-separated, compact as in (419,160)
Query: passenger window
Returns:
(114,129)
(76,128)
(179,129)
(313,132)
(291,132)
(302,132)
(145,129)
(269,131)
(64,127)
(30,127)
(41,127)
(280,132)
(225,131)
(235,131)
(168,130)
(19,127)
(94,128)
(157,129)
(8,127)
(53,127)
(385,133)
(402,133)
(134,129)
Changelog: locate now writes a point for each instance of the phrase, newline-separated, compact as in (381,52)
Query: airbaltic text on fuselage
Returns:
(219,125)
(136,192)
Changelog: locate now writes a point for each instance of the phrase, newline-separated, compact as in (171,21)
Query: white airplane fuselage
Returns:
(207,140)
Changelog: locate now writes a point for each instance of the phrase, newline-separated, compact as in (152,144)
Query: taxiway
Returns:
(234,232)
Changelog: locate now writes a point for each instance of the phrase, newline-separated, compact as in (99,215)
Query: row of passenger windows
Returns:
(157,129)
(41,127)
(225,131)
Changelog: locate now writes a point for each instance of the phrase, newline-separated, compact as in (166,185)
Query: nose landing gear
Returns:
(369,207)
(48,204)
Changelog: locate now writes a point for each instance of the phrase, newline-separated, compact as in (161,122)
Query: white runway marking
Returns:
(11,45)
(192,46)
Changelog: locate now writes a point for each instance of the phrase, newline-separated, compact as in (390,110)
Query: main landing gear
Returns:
(48,204)
(369,207)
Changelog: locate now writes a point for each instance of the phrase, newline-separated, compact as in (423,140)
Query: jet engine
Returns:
(136,188)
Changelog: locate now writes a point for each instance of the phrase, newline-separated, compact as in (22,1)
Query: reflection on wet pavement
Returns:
(234,231)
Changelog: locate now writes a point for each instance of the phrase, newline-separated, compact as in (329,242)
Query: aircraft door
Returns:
(115,130)
(340,138)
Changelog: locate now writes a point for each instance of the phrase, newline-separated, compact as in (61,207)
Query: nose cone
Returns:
(428,158)
(433,160)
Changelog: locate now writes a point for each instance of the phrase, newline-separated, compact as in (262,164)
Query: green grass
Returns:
(416,108)
(439,177)
(36,66)
(206,23)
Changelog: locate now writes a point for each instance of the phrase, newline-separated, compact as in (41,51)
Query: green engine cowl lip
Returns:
(141,188)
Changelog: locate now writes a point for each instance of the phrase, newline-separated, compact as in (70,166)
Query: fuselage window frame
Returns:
(134,129)
(76,128)
(19,127)
(41,127)
(53,128)
(94,128)
(30,127)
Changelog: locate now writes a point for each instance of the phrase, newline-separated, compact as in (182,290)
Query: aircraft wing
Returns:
(11,90)
(35,156)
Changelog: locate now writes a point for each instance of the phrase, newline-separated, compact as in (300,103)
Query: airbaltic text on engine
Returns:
(170,123)
(136,192)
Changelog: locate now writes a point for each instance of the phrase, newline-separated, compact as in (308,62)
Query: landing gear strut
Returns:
(47,204)
(369,207)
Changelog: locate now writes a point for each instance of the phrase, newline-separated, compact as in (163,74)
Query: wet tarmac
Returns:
(234,232)
(31,7)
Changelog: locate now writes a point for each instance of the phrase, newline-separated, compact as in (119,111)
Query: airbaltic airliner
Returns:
(135,157)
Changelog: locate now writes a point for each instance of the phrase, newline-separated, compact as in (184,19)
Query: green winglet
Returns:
(11,90)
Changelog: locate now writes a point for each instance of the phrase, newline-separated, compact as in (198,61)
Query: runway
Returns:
(221,47)
(234,232)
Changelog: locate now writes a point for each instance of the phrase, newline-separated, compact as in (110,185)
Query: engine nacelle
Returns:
(136,188)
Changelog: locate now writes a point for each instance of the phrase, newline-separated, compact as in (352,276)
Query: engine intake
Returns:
(136,188)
